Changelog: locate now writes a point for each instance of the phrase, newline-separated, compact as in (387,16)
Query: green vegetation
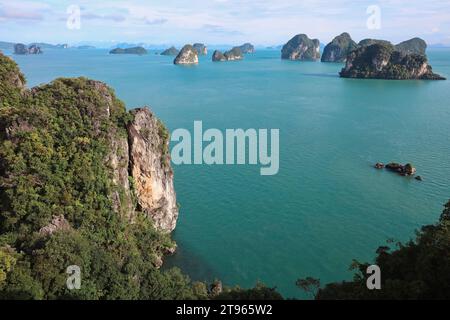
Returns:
(259,292)
(54,144)
(418,269)
(11,81)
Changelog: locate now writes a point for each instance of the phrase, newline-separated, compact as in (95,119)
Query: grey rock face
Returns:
(188,55)
(338,49)
(302,48)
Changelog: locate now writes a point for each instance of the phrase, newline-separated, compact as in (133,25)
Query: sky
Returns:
(261,22)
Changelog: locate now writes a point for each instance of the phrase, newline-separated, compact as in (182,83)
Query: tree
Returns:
(309,285)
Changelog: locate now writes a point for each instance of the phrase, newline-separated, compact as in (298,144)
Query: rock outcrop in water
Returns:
(383,61)
(231,55)
(201,49)
(234,54)
(172,51)
(404,170)
(134,50)
(302,48)
(338,49)
(247,48)
(187,56)
(21,49)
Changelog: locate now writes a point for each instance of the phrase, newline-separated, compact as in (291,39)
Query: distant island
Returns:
(21,49)
(300,47)
(187,56)
(172,51)
(42,45)
(85,47)
(134,50)
(201,49)
(379,59)
(247,48)
(338,49)
(231,55)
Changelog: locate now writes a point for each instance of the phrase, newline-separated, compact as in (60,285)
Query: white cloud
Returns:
(258,21)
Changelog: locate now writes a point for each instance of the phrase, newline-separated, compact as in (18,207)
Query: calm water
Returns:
(327,205)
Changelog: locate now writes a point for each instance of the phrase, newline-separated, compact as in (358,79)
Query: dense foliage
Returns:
(54,145)
(259,292)
(419,269)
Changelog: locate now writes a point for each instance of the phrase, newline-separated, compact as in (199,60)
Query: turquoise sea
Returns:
(327,205)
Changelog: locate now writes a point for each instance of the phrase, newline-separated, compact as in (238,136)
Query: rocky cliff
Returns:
(383,61)
(149,166)
(338,49)
(302,48)
(188,55)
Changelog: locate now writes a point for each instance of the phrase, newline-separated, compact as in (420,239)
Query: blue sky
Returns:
(262,22)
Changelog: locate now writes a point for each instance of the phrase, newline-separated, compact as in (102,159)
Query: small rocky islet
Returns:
(231,55)
(21,49)
(406,170)
(187,56)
